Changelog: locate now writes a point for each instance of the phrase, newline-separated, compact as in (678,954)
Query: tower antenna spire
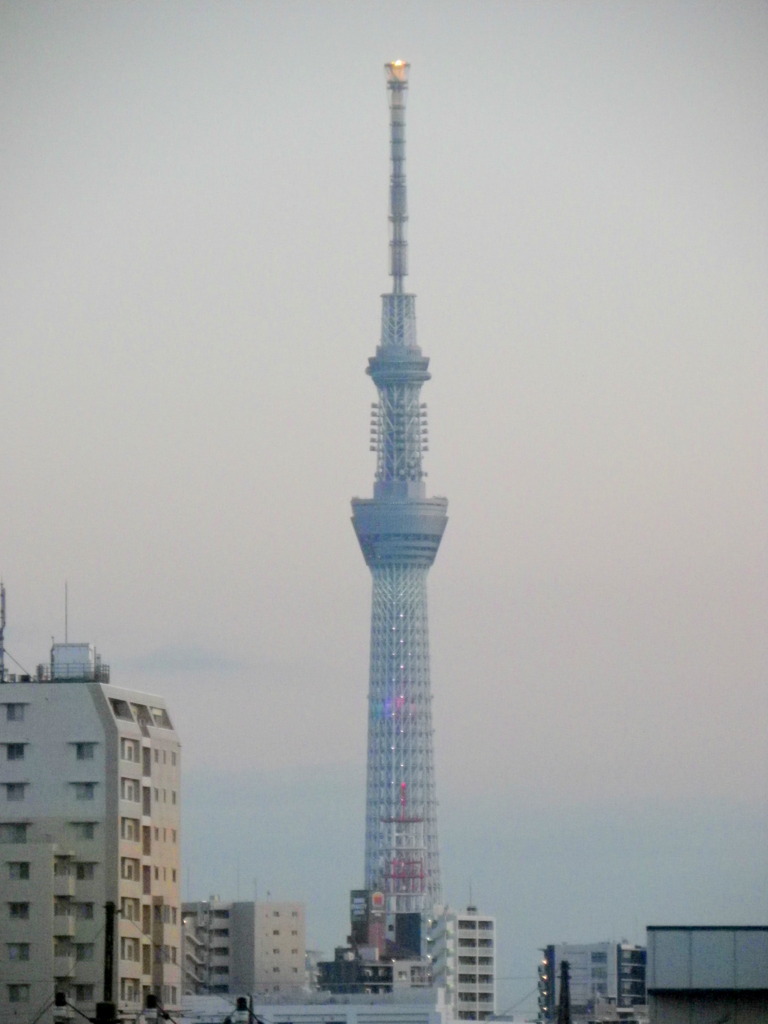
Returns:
(397,86)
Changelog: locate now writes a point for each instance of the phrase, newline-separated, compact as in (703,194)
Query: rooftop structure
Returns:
(708,974)
(399,531)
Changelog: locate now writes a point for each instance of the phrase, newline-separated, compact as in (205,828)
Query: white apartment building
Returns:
(462,948)
(89,814)
(244,948)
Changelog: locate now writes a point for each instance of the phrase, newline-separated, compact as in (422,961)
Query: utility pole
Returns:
(106,1011)
(564,1002)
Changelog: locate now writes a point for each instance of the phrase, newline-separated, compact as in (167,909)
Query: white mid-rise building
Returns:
(244,948)
(89,815)
(462,949)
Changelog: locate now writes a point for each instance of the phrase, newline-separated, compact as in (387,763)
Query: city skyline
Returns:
(191,212)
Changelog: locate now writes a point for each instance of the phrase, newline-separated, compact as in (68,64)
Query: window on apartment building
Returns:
(275,913)
(84,993)
(129,749)
(276,952)
(84,950)
(13,832)
(85,751)
(85,872)
(62,946)
(275,970)
(129,990)
(130,790)
(18,993)
(294,913)
(83,829)
(121,709)
(62,906)
(18,871)
(17,950)
(485,925)
(129,869)
(15,790)
(129,829)
(14,751)
(84,790)
(127,905)
(173,758)
(84,911)
(14,712)
(18,911)
(470,925)
(598,958)
(294,951)
(129,949)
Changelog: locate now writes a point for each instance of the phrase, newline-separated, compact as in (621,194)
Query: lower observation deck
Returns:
(404,532)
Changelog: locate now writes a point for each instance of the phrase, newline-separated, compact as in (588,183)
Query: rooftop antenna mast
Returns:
(2,632)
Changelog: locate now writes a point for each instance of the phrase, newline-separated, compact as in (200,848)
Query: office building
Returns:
(603,973)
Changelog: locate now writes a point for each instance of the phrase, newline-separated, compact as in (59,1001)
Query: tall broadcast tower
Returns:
(399,531)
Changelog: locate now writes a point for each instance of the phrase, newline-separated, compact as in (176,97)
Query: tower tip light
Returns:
(397,70)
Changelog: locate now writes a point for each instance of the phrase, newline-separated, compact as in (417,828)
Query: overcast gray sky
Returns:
(193,202)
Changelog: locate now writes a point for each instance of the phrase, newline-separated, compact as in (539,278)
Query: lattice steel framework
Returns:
(399,531)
